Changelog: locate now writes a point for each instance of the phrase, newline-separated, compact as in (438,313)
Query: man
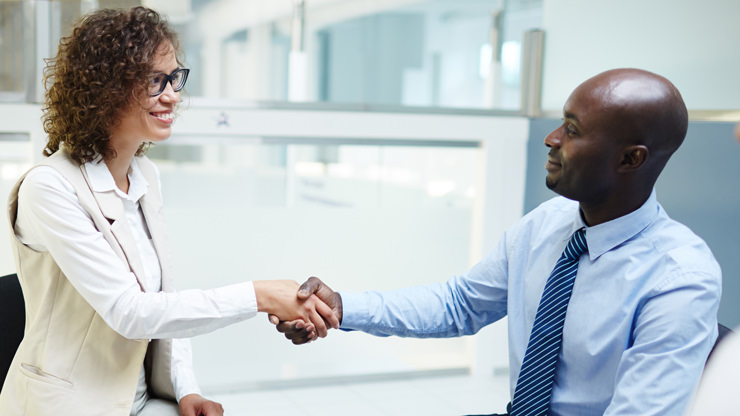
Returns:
(641,290)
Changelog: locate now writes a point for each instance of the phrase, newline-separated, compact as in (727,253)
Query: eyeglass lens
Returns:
(177,78)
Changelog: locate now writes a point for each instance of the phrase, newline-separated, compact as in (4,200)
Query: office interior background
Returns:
(380,144)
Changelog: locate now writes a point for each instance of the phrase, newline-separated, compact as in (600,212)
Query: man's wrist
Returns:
(339,309)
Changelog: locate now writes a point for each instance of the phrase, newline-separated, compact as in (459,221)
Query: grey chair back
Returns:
(723,332)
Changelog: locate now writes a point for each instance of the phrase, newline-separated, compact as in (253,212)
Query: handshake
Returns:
(303,314)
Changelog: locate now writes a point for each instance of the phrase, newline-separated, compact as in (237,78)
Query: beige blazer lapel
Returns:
(112,208)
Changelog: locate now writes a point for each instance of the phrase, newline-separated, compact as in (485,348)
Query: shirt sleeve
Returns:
(461,306)
(51,219)
(183,378)
(660,369)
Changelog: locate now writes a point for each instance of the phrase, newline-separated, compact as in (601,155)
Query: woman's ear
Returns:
(634,157)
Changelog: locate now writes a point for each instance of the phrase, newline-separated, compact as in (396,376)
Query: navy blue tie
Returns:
(534,385)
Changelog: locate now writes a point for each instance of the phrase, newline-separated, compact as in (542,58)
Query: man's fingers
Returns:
(318,323)
(290,326)
(309,287)
(307,338)
(301,336)
(328,313)
(318,316)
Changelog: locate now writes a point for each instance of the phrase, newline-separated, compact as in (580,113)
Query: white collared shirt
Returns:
(51,219)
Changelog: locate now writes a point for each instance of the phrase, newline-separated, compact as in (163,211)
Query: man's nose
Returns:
(552,139)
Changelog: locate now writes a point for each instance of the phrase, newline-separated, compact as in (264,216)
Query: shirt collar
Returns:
(101,179)
(604,237)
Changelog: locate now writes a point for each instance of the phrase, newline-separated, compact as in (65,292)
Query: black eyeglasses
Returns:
(159,81)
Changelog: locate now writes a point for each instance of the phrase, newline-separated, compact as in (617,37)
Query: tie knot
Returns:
(577,245)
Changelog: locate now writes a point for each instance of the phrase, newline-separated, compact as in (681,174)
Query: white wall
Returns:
(692,43)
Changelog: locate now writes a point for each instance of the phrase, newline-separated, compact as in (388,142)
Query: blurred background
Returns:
(382,144)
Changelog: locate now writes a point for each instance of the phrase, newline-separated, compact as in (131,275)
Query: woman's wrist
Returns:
(262,293)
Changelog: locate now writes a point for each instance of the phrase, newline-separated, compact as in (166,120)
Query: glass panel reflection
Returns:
(432,53)
(11,50)
(360,217)
(322,176)
(439,53)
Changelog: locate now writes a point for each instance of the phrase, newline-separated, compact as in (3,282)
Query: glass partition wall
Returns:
(365,187)
(433,53)
(11,51)
(417,53)
(363,200)
(358,216)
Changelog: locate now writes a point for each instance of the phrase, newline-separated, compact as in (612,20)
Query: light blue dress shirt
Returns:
(640,323)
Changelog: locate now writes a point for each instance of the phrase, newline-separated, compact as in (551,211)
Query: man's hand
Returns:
(197,405)
(279,298)
(298,331)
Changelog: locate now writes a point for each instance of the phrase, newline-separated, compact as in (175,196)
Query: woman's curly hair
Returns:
(101,69)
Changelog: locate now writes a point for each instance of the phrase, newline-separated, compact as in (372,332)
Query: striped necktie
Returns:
(534,386)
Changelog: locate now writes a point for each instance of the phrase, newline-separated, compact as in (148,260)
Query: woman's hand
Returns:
(197,405)
(279,298)
(298,331)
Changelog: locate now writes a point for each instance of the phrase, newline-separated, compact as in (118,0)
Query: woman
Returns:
(105,331)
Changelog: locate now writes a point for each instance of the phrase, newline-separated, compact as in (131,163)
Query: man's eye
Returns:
(570,130)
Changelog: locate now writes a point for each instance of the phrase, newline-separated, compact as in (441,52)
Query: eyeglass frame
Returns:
(169,79)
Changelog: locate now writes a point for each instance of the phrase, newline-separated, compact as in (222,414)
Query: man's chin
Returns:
(552,184)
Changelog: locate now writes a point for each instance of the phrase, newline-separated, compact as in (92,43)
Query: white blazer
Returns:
(70,361)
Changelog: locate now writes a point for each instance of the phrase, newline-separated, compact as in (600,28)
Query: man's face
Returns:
(584,156)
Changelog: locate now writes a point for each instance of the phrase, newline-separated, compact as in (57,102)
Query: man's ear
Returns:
(633,158)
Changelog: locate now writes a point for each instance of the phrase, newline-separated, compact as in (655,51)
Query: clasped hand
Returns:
(299,331)
(283,301)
